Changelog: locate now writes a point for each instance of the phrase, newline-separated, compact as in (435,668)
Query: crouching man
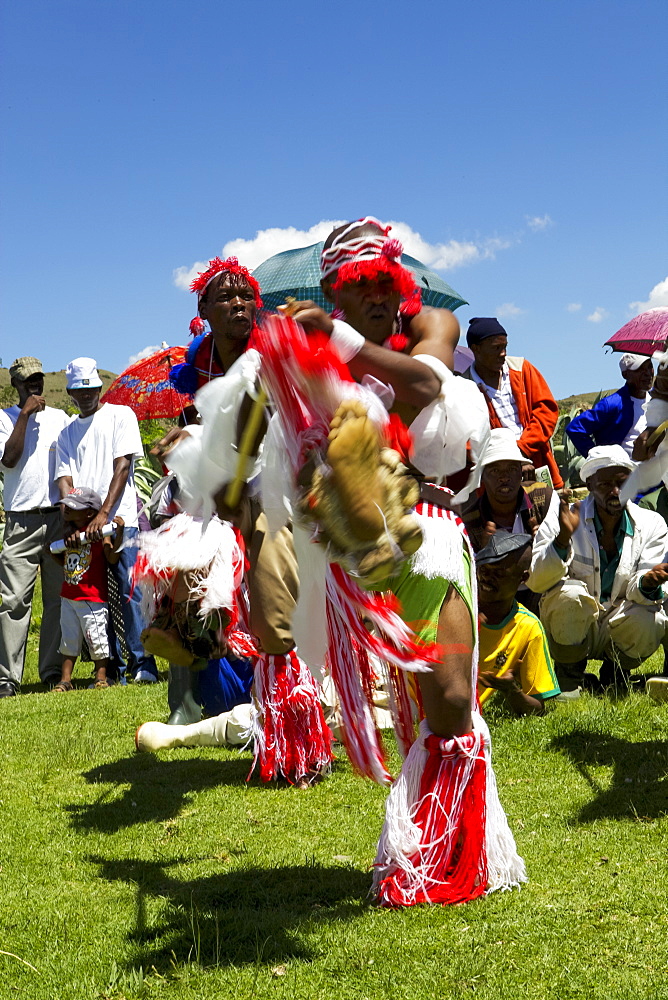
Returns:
(601,567)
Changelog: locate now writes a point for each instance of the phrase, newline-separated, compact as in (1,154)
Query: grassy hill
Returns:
(54,388)
(585,400)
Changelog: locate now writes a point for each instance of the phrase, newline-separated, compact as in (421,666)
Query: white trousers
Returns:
(578,626)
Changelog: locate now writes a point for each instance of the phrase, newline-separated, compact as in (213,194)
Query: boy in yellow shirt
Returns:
(514,657)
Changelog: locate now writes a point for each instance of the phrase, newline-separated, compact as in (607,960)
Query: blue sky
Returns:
(524,142)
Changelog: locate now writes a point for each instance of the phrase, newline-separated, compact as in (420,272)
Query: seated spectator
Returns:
(503,503)
(600,566)
(84,609)
(514,657)
(620,417)
(517,395)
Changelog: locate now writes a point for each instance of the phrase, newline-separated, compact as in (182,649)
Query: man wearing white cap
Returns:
(97,449)
(602,567)
(620,417)
(502,503)
(28,435)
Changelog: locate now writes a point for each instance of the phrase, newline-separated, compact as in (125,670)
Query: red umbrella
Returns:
(145,386)
(645,334)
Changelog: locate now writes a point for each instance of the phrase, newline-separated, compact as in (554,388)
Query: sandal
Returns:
(100,684)
(63,686)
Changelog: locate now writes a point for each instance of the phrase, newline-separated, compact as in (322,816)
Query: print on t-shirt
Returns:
(77,562)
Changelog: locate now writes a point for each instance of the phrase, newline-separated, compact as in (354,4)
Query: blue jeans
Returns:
(133,622)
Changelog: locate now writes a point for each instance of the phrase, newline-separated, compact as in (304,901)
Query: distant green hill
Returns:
(54,388)
(585,400)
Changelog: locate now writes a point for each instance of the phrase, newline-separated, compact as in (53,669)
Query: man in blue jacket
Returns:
(620,417)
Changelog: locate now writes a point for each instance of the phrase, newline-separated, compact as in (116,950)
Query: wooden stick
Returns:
(233,492)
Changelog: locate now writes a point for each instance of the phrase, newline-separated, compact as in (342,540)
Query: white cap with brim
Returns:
(82,374)
(631,362)
(605,456)
(500,446)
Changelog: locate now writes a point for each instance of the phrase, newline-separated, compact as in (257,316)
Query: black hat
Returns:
(500,545)
(482,327)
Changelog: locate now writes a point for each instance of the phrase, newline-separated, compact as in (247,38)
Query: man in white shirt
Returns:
(97,449)
(28,435)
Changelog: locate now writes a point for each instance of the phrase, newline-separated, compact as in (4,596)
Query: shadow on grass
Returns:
(247,916)
(158,789)
(638,787)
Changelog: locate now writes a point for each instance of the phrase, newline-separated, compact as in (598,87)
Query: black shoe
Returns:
(7,689)
(591,683)
(613,676)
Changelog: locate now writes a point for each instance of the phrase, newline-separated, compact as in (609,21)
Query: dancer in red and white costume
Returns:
(291,737)
(446,838)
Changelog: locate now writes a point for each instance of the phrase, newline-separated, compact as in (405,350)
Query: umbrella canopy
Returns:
(146,389)
(297,273)
(644,334)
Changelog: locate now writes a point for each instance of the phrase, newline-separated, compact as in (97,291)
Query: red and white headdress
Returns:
(218,266)
(370,257)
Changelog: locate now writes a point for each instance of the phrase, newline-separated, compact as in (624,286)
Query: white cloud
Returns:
(267,242)
(509,309)
(598,315)
(657,297)
(537,223)
(146,352)
(574,307)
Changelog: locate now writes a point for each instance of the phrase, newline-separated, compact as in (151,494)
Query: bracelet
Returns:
(345,341)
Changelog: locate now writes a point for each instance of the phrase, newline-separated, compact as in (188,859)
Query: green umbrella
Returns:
(297,273)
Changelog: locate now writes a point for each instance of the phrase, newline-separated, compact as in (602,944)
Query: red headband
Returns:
(217,266)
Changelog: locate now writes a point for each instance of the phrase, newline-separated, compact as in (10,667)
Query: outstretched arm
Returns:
(116,486)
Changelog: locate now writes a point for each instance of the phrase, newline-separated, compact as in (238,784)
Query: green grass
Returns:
(170,876)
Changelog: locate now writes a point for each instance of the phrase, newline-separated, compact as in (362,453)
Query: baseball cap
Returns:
(23,368)
(631,362)
(81,498)
(82,374)
(500,545)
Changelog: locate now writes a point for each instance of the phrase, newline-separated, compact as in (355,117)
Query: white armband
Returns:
(345,341)
(656,412)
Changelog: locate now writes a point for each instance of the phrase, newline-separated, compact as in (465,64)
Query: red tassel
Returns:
(197,326)
(295,739)
(450,865)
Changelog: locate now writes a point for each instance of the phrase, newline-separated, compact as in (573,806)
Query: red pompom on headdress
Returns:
(229,266)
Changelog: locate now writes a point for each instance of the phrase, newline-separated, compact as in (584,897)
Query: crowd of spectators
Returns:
(560,583)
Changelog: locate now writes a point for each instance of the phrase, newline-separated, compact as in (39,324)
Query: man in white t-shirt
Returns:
(28,435)
(97,449)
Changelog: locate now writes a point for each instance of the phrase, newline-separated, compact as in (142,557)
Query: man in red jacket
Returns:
(517,395)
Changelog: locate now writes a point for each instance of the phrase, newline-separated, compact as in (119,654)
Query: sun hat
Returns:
(82,374)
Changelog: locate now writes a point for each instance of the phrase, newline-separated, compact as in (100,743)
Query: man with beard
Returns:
(380,329)
(601,566)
